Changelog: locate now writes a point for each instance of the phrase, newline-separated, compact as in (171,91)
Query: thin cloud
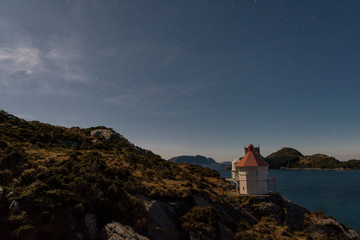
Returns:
(20,60)
(36,63)
(28,69)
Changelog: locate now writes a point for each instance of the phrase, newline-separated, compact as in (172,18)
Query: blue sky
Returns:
(189,77)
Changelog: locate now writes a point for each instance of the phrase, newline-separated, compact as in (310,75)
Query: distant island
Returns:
(292,158)
(198,159)
(285,158)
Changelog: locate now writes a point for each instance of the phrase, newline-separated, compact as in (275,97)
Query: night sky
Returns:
(189,77)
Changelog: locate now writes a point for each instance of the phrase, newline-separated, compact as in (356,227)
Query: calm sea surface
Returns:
(336,193)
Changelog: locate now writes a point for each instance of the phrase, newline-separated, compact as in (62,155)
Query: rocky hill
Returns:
(292,158)
(285,157)
(319,161)
(74,183)
(193,160)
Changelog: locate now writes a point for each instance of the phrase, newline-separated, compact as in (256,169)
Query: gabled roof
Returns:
(251,160)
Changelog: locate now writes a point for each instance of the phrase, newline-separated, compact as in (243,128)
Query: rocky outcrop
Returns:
(294,215)
(271,210)
(227,216)
(107,134)
(162,221)
(117,231)
(326,227)
(164,218)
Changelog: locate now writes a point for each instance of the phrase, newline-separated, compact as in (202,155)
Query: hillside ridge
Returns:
(75,183)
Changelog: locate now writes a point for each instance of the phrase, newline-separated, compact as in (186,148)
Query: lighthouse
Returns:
(251,172)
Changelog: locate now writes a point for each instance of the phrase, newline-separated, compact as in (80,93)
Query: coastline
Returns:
(320,169)
(311,183)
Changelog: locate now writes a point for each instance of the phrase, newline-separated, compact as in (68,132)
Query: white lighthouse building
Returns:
(251,172)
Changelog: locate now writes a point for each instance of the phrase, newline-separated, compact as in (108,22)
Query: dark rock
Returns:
(162,221)
(294,216)
(181,207)
(199,201)
(271,210)
(227,216)
(224,232)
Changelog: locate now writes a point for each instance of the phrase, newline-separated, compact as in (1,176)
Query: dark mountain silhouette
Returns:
(292,158)
(193,160)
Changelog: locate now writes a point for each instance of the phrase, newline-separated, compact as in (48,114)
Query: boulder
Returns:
(294,216)
(117,231)
(107,134)
(162,221)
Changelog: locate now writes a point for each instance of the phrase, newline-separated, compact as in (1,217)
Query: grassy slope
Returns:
(58,175)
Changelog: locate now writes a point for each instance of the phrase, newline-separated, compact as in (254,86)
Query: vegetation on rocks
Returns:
(201,221)
(64,183)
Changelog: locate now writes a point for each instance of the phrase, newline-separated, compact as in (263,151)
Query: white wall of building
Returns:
(253,180)
(262,180)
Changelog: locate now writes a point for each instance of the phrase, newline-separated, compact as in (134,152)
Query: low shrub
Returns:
(201,221)
(22,231)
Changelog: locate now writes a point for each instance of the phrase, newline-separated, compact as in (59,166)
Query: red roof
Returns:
(251,160)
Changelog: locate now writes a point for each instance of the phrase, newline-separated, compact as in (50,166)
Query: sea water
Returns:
(336,193)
